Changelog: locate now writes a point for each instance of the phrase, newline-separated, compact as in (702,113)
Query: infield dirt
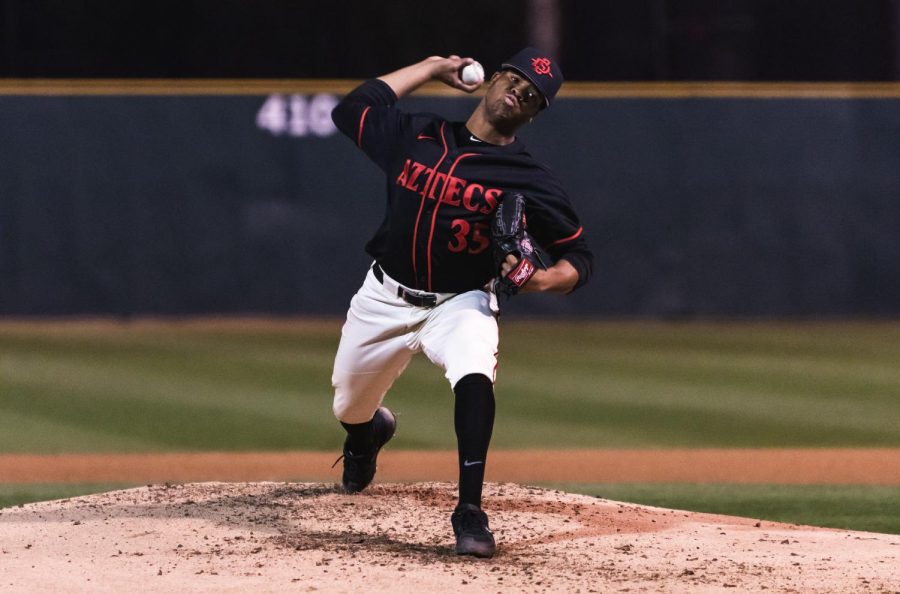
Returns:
(302,537)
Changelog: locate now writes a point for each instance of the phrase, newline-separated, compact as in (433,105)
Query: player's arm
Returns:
(408,79)
(562,277)
(368,116)
(574,263)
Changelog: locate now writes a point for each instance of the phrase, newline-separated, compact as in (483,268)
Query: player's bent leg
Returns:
(359,392)
(373,352)
(362,375)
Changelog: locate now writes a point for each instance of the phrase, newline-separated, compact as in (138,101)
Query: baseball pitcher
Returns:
(470,214)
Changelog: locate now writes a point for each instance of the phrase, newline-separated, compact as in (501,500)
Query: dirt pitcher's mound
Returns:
(288,537)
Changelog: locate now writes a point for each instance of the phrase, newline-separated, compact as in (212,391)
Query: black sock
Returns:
(474,422)
(360,437)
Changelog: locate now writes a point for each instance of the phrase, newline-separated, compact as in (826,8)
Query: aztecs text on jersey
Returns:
(443,188)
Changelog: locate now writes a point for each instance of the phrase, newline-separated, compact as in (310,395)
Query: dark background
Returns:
(628,40)
(693,207)
(698,206)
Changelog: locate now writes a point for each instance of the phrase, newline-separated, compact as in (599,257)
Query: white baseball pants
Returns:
(383,332)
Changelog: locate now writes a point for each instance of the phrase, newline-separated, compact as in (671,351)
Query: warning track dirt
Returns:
(877,466)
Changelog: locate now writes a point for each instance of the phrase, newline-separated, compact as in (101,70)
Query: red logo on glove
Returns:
(522,273)
(541,66)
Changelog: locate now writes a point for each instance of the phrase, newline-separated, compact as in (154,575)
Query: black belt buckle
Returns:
(417,300)
(411,298)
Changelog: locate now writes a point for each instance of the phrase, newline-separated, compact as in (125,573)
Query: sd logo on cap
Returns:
(540,69)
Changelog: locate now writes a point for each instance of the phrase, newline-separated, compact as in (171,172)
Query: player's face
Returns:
(511,98)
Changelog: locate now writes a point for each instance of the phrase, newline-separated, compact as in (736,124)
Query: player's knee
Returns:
(346,409)
(339,407)
(343,403)
(353,410)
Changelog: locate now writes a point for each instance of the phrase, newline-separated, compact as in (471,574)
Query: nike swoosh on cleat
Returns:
(466,463)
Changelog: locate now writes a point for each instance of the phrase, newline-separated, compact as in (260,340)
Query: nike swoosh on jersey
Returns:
(466,463)
(474,138)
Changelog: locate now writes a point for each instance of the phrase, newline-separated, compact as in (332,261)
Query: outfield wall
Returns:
(150,199)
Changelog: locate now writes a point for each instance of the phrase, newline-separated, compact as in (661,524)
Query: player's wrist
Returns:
(435,66)
(559,278)
(538,282)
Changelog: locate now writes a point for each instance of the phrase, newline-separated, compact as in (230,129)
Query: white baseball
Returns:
(472,74)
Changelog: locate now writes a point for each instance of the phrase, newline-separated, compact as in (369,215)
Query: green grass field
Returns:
(154,387)
(173,387)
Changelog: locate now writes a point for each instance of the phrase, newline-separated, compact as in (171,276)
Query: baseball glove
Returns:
(510,237)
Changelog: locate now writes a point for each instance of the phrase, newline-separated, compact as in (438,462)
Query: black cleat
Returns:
(359,469)
(473,536)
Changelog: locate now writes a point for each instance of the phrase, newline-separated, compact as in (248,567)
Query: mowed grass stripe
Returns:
(12,495)
(150,425)
(592,411)
(159,391)
(32,431)
(562,384)
(127,380)
(863,340)
(825,377)
(799,358)
(707,384)
(736,414)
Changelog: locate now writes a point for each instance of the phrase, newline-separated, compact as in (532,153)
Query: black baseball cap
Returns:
(540,69)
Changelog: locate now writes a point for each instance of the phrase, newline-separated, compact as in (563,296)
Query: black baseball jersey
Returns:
(443,186)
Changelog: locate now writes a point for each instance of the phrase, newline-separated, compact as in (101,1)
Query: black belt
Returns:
(417,299)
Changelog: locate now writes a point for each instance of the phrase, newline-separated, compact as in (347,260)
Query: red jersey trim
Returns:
(362,120)
(422,206)
(569,238)
(438,205)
